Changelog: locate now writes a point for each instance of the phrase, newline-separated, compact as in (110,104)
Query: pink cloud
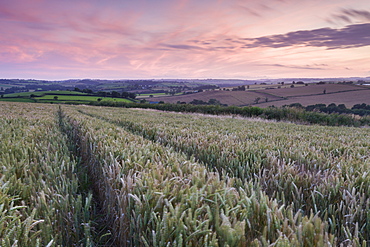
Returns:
(350,16)
(164,37)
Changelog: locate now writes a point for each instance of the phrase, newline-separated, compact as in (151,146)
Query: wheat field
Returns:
(100,176)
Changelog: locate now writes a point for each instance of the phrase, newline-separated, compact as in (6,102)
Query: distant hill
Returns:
(272,95)
(261,92)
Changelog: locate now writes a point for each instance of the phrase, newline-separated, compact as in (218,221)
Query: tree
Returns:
(198,102)
(99,99)
(125,94)
(102,93)
(296,105)
(342,106)
(86,90)
(256,100)
(115,94)
(132,95)
(214,102)
(55,97)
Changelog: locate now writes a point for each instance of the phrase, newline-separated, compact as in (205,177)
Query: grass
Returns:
(17,100)
(66,98)
(5,85)
(49,97)
(169,179)
(42,202)
(168,200)
(154,94)
(225,97)
(41,93)
(311,168)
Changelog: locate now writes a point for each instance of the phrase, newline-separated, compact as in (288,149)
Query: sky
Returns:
(132,39)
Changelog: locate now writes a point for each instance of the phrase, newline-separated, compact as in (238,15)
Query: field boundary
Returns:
(307,95)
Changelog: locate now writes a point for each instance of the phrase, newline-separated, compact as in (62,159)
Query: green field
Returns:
(155,95)
(49,97)
(17,99)
(175,179)
(66,98)
(5,85)
(40,93)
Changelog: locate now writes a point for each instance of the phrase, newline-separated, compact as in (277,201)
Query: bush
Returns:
(312,114)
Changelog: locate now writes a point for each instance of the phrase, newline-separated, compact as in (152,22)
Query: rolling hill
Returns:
(271,95)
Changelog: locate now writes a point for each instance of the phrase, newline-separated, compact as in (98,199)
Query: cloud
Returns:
(183,47)
(350,16)
(203,46)
(176,38)
(10,13)
(351,36)
(357,35)
(358,13)
(58,17)
(257,8)
(308,67)
(250,11)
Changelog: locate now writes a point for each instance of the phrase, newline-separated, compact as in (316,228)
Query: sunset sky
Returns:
(123,39)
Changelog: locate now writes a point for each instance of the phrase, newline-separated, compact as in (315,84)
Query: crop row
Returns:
(40,199)
(155,196)
(316,169)
(293,114)
(165,179)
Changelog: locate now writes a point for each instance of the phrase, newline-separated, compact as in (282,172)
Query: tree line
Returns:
(358,109)
(292,114)
(113,94)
